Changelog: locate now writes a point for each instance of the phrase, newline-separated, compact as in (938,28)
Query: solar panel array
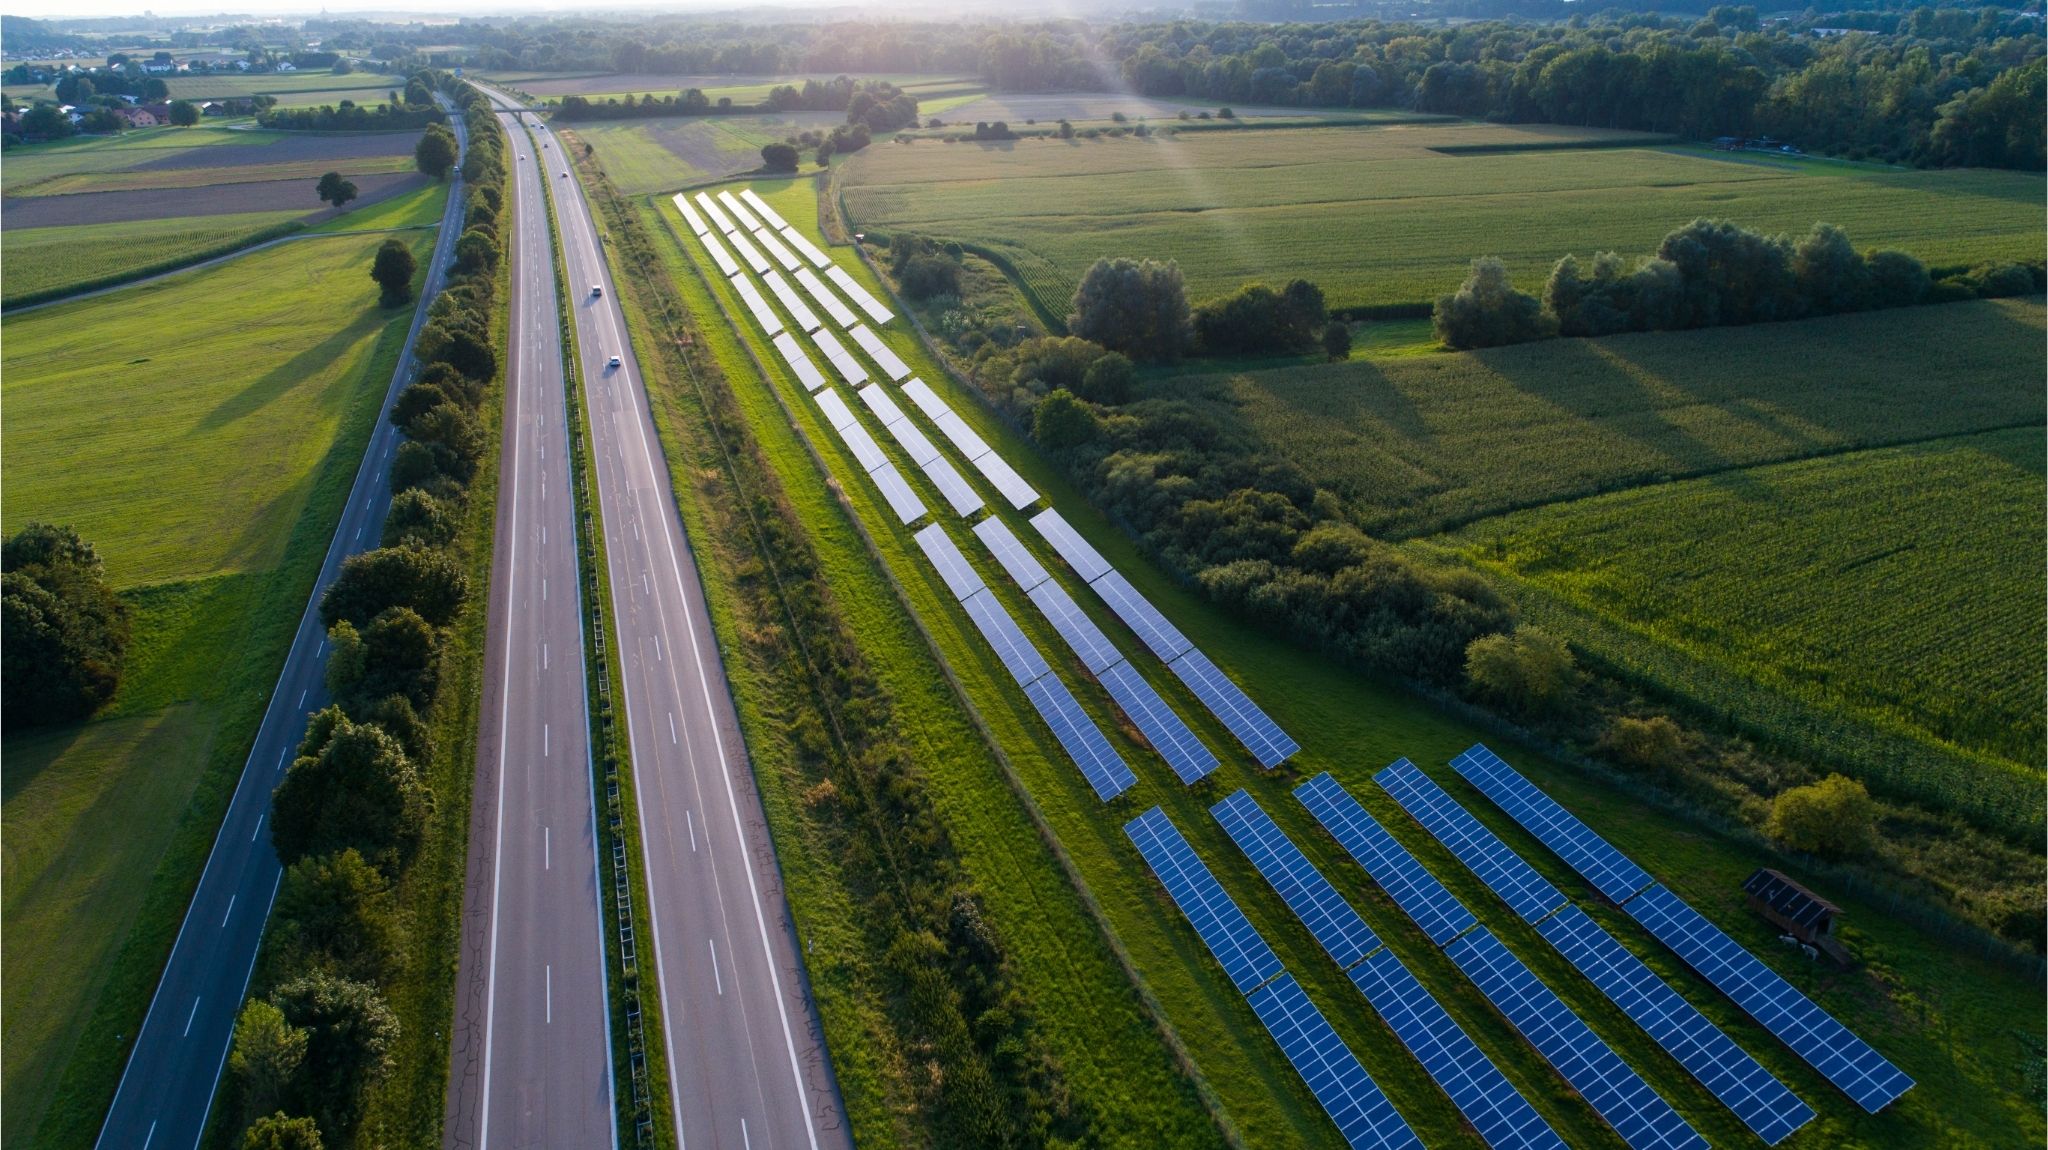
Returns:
(769,215)
(902,500)
(806,372)
(1260,735)
(739,211)
(1617,1093)
(953,567)
(1086,561)
(1161,726)
(1228,934)
(1093,647)
(1022,566)
(776,249)
(1416,891)
(841,359)
(882,405)
(690,215)
(1344,936)
(713,213)
(751,296)
(805,247)
(858,294)
(1853,1065)
(806,319)
(905,433)
(815,287)
(1347,1093)
(726,264)
(747,250)
(959,494)
(1152,628)
(892,364)
(1763,1103)
(1104,769)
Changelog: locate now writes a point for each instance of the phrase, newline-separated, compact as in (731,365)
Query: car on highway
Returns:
(596,289)
(611,363)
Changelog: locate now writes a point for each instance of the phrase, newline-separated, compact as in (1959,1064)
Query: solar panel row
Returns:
(739,211)
(719,255)
(1855,1067)
(1416,891)
(836,412)
(1152,628)
(858,294)
(1086,561)
(748,252)
(891,364)
(914,443)
(1104,769)
(751,296)
(690,215)
(945,555)
(776,250)
(1022,567)
(1334,1075)
(806,372)
(842,360)
(815,287)
(713,213)
(1252,727)
(879,402)
(806,247)
(1344,936)
(1161,726)
(806,319)
(1744,1086)
(1093,647)
(902,500)
(1617,1093)
(1015,651)
(769,215)
(959,494)
(1224,929)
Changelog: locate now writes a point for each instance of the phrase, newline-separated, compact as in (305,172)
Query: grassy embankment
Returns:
(1380,216)
(1904,999)
(212,496)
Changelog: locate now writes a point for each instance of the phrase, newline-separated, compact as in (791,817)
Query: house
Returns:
(161,110)
(1803,915)
(138,117)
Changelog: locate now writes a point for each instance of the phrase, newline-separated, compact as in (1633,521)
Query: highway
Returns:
(746,1057)
(167,1087)
(530,1062)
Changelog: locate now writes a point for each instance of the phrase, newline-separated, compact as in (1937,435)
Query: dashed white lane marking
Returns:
(671,726)
(549,993)
(146,1137)
(691,820)
(657,648)
(543,590)
(189,1018)
(302,698)
(259,826)
(643,583)
(544,741)
(231,911)
(547,848)
(716,980)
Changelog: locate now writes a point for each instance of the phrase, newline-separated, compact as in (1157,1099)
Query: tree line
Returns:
(1710,273)
(871,106)
(317,1033)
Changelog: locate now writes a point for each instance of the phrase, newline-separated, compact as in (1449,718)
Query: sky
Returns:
(44,9)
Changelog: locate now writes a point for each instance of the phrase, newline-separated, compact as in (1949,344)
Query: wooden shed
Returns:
(1795,910)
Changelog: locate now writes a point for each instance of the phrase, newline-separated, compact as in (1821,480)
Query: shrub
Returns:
(277,1132)
(334,913)
(779,157)
(1527,671)
(267,1054)
(1834,818)
(429,582)
(355,789)
(1337,340)
(1109,380)
(1652,742)
(1063,422)
(419,519)
(349,1035)
(1256,319)
(1138,307)
(1486,311)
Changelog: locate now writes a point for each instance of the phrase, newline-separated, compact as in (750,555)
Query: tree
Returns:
(334,913)
(1527,671)
(350,1033)
(46,122)
(278,1132)
(1487,311)
(184,113)
(354,791)
(417,92)
(419,518)
(778,157)
(1063,422)
(435,153)
(1256,319)
(1337,340)
(1109,380)
(1138,307)
(393,270)
(429,582)
(337,191)
(66,632)
(1834,817)
(476,253)
(267,1054)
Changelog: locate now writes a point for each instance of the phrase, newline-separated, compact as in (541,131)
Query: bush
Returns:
(1527,672)
(267,1053)
(396,655)
(1063,422)
(334,913)
(349,1035)
(1337,341)
(1652,742)
(778,157)
(66,632)
(1110,380)
(351,788)
(419,519)
(278,1132)
(429,582)
(1137,307)
(1486,311)
(1834,818)
(393,269)
(1257,320)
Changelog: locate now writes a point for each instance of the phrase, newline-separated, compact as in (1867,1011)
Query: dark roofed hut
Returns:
(1795,910)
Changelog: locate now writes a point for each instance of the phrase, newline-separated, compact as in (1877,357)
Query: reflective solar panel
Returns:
(808,249)
(714,213)
(806,319)
(690,215)
(1019,493)
(925,398)
(836,412)
(865,450)
(1140,615)
(1260,735)
(815,287)
(1760,1100)
(953,567)
(1610,872)
(1416,891)
(1527,893)
(1018,656)
(960,495)
(1104,769)
(1086,561)
(879,402)
(1497,1111)
(914,443)
(970,442)
(747,250)
(842,361)
(751,296)
(806,371)
(1228,934)
(719,255)
(884,356)
(902,500)
(1169,736)
(1815,1035)
(1643,1119)
(739,210)
(779,253)
(1023,567)
(768,215)
(1334,923)
(1334,1075)
(858,294)
(1090,645)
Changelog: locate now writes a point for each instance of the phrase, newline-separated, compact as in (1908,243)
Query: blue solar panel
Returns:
(1019,657)
(1610,871)
(953,567)
(1104,769)
(1169,736)
(1140,615)
(1347,1093)
(1225,930)
(1760,1100)
(1436,910)
(1503,1118)
(1814,1034)
(1527,893)
(1010,552)
(1643,1119)
(1089,643)
(1344,935)
(1228,702)
(1086,561)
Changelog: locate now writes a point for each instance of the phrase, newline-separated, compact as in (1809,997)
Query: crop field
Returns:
(1902,584)
(1381,215)
(279,84)
(739,89)
(124,426)
(1349,726)
(645,156)
(46,259)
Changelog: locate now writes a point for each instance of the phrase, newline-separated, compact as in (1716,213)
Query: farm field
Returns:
(645,156)
(740,89)
(1350,726)
(1380,215)
(120,424)
(1900,584)
(280,84)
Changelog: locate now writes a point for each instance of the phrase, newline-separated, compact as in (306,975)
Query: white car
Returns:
(612,363)
(596,289)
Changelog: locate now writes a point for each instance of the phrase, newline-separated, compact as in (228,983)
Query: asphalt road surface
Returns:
(167,1088)
(746,1057)
(531,1062)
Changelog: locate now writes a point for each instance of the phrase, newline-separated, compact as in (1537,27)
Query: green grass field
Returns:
(644,156)
(285,86)
(80,154)
(47,259)
(207,458)
(1376,215)
(1914,1009)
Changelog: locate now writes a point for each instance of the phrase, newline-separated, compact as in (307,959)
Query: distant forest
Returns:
(1925,86)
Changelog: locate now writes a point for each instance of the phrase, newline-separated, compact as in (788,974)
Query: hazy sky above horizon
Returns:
(90,9)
